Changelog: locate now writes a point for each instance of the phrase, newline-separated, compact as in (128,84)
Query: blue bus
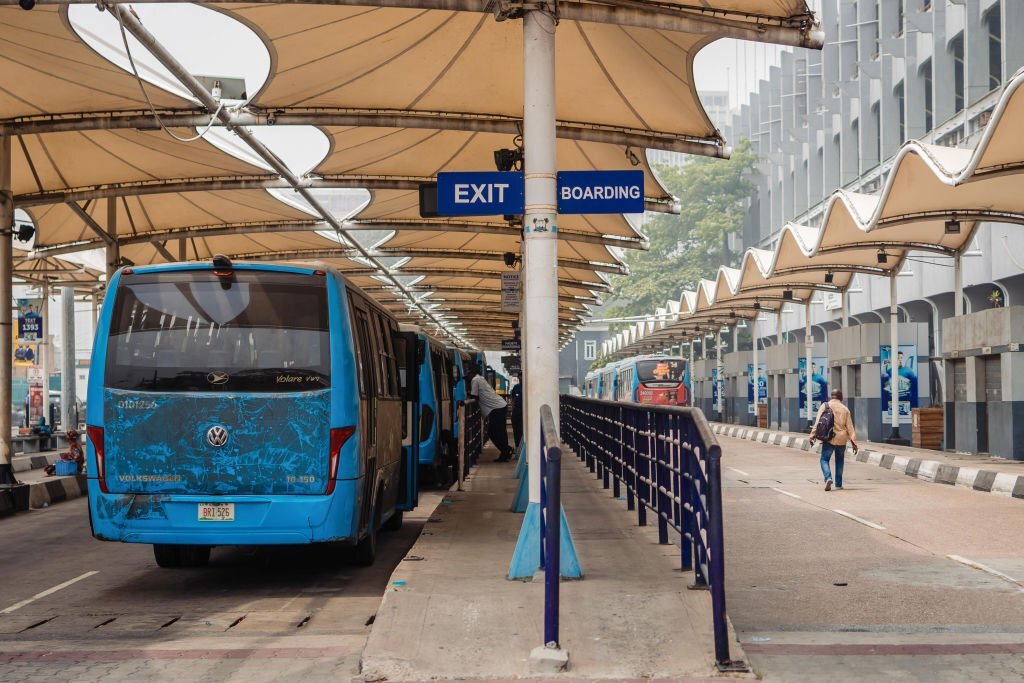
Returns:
(438,386)
(653,379)
(247,404)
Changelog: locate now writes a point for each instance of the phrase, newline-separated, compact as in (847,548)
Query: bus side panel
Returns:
(428,400)
(345,408)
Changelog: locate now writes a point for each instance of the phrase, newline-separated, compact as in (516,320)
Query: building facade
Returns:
(575,359)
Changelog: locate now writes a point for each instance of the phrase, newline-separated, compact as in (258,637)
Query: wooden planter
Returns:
(928,428)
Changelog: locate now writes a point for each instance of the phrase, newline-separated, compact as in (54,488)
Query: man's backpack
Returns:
(826,427)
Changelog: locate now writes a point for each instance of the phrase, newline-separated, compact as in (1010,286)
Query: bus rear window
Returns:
(194,331)
(662,370)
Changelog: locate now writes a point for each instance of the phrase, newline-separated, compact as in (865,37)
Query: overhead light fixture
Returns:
(882,256)
(829,277)
(757,305)
(787,294)
(953,226)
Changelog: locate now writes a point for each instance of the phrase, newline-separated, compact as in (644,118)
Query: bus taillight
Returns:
(338,438)
(95,435)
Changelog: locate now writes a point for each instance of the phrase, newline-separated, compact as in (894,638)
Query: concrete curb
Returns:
(34,461)
(56,490)
(935,471)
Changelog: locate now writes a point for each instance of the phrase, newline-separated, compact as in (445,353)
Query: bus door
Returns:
(408,372)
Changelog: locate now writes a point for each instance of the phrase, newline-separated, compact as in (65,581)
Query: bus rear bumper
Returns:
(259,519)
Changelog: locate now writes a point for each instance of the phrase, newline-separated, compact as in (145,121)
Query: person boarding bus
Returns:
(494,410)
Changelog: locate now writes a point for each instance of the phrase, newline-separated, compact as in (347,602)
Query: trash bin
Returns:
(928,428)
(13,498)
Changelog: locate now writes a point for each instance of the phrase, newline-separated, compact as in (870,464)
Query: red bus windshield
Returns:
(662,370)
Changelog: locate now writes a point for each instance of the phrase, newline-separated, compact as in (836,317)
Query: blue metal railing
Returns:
(670,463)
(550,521)
(472,434)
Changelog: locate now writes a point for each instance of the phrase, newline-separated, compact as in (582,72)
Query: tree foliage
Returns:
(713,196)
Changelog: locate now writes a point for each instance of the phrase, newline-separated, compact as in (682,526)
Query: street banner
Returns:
(30,320)
(906,373)
(762,386)
(819,385)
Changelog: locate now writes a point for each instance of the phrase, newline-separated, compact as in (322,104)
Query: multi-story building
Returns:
(716,104)
(890,71)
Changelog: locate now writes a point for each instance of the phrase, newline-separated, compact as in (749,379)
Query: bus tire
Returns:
(166,556)
(366,550)
(394,522)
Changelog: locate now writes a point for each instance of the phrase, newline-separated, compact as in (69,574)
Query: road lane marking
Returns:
(858,519)
(988,570)
(787,493)
(740,472)
(48,591)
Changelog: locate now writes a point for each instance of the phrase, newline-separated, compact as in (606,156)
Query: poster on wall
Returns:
(906,373)
(26,353)
(819,385)
(762,386)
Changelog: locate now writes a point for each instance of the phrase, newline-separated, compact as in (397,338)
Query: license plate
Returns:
(216,512)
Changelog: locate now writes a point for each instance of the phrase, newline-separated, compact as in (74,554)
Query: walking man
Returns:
(495,411)
(517,411)
(834,428)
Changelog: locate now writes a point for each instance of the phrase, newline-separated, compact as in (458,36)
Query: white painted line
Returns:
(858,519)
(786,493)
(740,472)
(48,591)
(988,570)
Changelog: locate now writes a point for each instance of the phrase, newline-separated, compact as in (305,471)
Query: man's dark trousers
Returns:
(497,432)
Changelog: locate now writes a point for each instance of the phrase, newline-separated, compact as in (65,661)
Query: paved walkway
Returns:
(891,579)
(986,474)
(451,613)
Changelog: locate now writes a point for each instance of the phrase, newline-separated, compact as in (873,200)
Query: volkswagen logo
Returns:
(217,377)
(217,436)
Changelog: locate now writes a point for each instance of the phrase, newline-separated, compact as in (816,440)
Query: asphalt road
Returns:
(255,614)
(892,578)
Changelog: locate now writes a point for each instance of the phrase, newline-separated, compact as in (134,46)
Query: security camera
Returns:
(510,259)
(27,4)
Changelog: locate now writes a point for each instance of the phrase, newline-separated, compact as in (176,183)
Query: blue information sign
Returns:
(601,192)
(484,193)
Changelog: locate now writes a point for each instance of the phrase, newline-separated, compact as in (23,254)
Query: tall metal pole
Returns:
(958,284)
(753,365)
(67,373)
(894,376)
(540,240)
(6,295)
(778,324)
(46,351)
(809,349)
(845,308)
(721,372)
(113,247)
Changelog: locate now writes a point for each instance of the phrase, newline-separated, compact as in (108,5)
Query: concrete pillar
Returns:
(6,299)
(67,373)
(540,243)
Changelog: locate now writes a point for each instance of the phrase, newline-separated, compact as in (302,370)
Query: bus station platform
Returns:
(449,611)
(986,474)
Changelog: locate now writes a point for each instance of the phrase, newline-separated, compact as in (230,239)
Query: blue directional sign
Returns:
(601,192)
(494,193)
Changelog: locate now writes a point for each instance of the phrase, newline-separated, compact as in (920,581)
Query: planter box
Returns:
(928,427)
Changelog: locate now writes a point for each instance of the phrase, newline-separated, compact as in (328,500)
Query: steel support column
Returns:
(67,362)
(958,283)
(46,350)
(6,274)
(113,247)
(753,365)
(540,242)
(808,350)
(894,347)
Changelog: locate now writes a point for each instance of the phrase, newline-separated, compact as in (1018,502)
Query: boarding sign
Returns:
(484,193)
(601,192)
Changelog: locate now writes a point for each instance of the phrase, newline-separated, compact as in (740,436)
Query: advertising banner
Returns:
(819,385)
(30,320)
(906,373)
(714,387)
(762,386)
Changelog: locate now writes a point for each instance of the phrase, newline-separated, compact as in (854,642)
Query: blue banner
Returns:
(483,193)
(601,192)
(762,386)
(819,385)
